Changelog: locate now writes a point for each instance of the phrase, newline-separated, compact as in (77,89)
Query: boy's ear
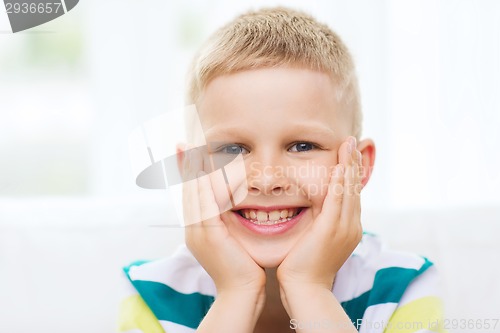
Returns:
(367,149)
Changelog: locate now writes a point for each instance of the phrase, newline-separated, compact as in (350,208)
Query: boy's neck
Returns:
(274,318)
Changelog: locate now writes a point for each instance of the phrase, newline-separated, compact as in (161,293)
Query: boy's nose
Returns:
(268,179)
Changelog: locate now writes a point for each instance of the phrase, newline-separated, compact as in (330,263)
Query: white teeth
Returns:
(269,218)
(274,215)
(261,216)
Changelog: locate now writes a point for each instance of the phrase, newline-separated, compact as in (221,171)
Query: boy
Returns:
(278,89)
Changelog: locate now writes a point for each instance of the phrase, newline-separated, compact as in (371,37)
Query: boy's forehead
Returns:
(271,95)
(272,77)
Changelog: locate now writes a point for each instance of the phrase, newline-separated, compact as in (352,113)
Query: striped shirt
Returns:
(381,290)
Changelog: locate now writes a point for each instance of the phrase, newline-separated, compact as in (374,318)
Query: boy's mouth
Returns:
(261,217)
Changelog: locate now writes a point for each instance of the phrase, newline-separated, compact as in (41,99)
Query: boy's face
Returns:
(288,126)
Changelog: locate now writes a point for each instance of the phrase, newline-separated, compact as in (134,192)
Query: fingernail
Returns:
(349,147)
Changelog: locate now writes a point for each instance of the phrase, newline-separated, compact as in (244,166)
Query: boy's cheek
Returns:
(314,189)
(314,182)
(220,190)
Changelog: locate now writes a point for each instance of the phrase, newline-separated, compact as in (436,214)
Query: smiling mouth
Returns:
(261,217)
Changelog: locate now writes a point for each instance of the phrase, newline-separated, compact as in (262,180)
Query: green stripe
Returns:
(171,305)
(168,304)
(355,308)
(392,282)
(389,286)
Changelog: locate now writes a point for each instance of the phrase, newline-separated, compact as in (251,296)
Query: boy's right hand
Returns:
(233,270)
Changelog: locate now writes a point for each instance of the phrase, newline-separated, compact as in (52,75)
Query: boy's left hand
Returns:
(335,232)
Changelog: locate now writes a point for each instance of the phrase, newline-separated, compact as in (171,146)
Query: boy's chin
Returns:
(267,260)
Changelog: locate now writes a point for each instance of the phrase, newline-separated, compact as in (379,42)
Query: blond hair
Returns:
(274,37)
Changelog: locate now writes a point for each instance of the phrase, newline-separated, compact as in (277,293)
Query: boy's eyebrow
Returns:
(316,128)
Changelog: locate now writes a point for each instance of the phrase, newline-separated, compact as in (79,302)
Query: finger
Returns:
(332,204)
(193,162)
(191,210)
(191,205)
(361,173)
(357,213)
(197,156)
(185,165)
(344,152)
(193,165)
(209,210)
(349,197)
(355,155)
(356,191)
(235,175)
(359,158)
(229,184)
(358,179)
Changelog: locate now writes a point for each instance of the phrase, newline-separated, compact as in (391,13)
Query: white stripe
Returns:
(376,317)
(181,272)
(369,258)
(424,285)
(169,327)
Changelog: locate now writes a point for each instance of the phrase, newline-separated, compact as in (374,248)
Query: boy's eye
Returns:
(233,149)
(302,146)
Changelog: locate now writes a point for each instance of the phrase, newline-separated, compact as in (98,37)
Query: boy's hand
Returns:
(333,235)
(230,266)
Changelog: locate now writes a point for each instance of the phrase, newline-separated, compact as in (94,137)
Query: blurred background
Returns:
(73,89)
